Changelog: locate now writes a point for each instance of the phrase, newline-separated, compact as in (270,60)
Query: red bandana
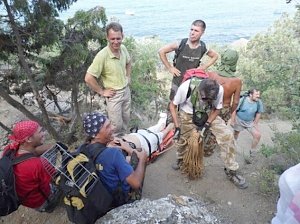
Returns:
(21,131)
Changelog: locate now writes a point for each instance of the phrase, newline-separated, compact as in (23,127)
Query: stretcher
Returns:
(165,146)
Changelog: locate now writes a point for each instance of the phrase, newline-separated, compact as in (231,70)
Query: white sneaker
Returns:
(163,115)
(161,124)
(162,120)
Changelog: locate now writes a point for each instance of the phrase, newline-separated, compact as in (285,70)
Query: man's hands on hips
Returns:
(108,92)
(174,71)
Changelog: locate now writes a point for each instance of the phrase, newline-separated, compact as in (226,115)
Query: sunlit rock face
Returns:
(172,209)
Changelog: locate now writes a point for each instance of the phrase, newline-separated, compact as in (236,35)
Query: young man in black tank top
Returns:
(188,54)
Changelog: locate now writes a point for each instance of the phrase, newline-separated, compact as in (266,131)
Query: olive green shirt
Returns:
(109,69)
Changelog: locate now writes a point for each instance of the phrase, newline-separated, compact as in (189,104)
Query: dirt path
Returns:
(231,204)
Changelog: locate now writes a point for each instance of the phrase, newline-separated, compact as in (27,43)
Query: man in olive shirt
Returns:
(112,67)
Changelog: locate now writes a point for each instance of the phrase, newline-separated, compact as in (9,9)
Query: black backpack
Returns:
(9,201)
(182,46)
(85,197)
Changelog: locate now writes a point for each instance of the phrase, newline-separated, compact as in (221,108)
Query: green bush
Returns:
(147,92)
(267,182)
(270,62)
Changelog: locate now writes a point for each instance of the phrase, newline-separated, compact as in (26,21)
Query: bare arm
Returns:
(236,97)
(91,81)
(232,119)
(128,71)
(256,119)
(213,58)
(163,57)
(172,108)
(135,179)
(212,115)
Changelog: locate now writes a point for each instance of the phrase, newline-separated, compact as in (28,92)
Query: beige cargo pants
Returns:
(224,137)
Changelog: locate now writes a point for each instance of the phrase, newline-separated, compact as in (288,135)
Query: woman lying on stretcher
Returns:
(154,140)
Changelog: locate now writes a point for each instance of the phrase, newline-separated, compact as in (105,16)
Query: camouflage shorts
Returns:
(225,114)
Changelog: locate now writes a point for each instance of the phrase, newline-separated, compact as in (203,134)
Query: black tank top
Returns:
(188,59)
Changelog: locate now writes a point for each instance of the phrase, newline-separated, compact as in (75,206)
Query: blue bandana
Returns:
(93,122)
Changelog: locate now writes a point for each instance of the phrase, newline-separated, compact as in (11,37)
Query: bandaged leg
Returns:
(161,124)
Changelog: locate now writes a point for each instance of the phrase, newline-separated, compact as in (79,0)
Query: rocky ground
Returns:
(217,195)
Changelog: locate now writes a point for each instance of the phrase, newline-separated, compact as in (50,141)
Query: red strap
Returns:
(194,72)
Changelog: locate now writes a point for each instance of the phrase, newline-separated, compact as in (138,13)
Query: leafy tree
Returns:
(271,63)
(147,90)
(41,51)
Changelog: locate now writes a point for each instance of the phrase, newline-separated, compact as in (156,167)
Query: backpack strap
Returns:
(157,138)
(258,106)
(179,49)
(203,50)
(182,46)
(92,150)
(148,143)
(22,158)
(241,104)
(195,81)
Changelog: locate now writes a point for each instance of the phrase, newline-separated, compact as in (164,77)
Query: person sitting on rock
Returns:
(117,175)
(33,183)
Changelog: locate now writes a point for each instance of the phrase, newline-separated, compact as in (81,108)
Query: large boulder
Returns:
(171,209)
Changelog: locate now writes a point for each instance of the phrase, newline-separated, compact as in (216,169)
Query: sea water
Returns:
(171,19)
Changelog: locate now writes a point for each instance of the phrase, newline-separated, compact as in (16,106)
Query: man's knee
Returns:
(257,136)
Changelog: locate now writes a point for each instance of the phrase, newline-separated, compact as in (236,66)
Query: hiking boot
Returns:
(177,165)
(251,158)
(236,179)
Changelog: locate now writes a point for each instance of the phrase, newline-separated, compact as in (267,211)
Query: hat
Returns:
(23,130)
(228,63)
(93,122)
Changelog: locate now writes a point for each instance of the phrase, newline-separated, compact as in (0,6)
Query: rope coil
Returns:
(193,164)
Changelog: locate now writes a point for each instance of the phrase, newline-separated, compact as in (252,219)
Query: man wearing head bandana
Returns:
(231,84)
(33,183)
(209,100)
(229,59)
(117,175)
